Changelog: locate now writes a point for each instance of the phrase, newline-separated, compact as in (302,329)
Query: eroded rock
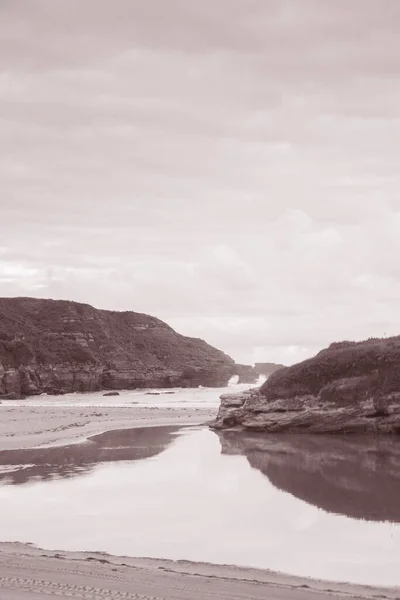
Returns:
(348,388)
(56,347)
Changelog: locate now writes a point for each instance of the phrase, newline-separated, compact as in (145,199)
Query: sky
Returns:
(231,167)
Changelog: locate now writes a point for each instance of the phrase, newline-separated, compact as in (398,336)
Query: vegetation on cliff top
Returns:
(375,356)
(57,332)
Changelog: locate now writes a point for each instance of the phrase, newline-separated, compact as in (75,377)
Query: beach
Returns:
(26,426)
(30,573)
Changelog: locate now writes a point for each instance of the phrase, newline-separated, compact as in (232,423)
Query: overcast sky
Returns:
(230,166)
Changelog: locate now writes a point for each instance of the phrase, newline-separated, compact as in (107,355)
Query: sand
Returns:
(36,426)
(29,573)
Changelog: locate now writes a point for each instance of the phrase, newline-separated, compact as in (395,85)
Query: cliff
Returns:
(355,476)
(246,373)
(267,368)
(350,387)
(57,346)
(251,373)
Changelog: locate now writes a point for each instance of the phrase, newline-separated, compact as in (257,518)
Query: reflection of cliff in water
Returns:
(356,477)
(22,466)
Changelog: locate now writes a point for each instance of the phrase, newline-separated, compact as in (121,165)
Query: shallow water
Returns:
(314,506)
(157,397)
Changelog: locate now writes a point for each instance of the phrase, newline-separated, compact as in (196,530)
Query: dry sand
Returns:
(28,573)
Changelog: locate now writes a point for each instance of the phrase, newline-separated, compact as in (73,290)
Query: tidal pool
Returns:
(325,507)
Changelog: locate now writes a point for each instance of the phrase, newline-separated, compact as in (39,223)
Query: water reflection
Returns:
(195,503)
(354,476)
(22,466)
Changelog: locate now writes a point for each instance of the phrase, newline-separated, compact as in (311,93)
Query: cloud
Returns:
(231,168)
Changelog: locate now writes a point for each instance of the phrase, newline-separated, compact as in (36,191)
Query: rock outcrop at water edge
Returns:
(351,387)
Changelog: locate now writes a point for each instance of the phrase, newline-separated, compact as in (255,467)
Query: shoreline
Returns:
(25,427)
(28,572)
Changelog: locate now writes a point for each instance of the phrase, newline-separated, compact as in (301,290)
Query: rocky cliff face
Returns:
(246,373)
(251,373)
(348,388)
(356,476)
(58,346)
(267,368)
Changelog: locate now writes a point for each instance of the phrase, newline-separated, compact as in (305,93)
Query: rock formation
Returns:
(247,373)
(56,346)
(356,476)
(267,368)
(251,373)
(348,388)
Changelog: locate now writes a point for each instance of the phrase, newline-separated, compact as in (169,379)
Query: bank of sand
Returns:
(34,426)
(28,573)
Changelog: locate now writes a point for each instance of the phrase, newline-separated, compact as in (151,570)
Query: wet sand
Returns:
(38,426)
(28,573)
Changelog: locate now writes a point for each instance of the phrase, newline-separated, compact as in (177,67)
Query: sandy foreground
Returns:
(29,573)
